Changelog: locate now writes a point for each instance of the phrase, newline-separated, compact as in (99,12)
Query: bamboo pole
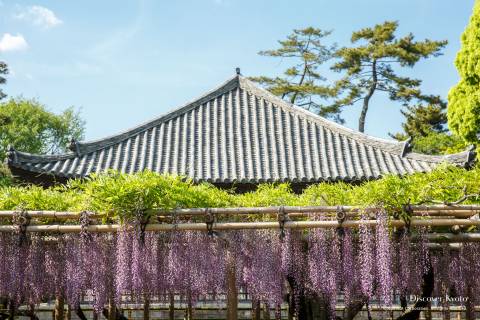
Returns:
(244,225)
(47,214)
(441,210)
(311,209)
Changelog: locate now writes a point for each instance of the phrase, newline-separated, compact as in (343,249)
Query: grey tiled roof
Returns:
(239,133)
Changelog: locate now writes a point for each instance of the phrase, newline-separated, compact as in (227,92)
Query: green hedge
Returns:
(120,195)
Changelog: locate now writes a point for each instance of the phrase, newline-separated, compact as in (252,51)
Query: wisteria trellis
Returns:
(371,262)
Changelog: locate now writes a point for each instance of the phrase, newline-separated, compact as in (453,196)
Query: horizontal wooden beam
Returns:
(244,225)
(418,210)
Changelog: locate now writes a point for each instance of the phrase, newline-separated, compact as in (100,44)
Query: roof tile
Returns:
(239,133)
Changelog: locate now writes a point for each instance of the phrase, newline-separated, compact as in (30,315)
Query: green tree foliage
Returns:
(369,67)
(422,119)
(3,80)
(464,98)
(427,125)
(438,143)
(29,126)
(301,82)
(121,196)
(6,178)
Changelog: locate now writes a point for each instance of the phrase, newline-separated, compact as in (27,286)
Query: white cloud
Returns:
(39,16)
(12,43)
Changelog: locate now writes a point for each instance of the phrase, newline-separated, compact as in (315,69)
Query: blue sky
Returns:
(124,62)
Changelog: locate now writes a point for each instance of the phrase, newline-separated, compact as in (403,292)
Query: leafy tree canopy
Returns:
(427,125)
(29,126)
(301,82)
(464,98)
(369,67)
(422,119)
(3,80)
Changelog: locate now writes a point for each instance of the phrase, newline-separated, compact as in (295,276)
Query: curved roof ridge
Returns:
(324,121)
(92,145)
(26,156)
(390,153)
(387,144)
(462,156)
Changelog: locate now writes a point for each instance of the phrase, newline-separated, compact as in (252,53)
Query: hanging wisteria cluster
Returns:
(337,266)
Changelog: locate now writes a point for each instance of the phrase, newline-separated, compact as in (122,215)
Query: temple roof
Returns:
(239,133)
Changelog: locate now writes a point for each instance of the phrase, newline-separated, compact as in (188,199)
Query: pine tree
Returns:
(301,83)
(3,71)
(421,120)
(426,124)
(464,98)
(369,67)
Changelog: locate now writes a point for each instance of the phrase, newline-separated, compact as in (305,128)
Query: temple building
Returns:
(236,135)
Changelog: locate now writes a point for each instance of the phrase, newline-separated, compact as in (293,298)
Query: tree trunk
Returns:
(470,305)
(146,309)
(171,307)
(189,311)
(291,303)
(232,294)
(68,314)
(428,312)
(11,310)
(59,308)
(445,304)
(354,308)
(366,100)
(31,312)
(266,311)
(112,310)
(255,310)
(278,312)
(81,315)
(305,69)
(427,289)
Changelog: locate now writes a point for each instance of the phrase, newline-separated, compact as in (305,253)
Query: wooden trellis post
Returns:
(232,292)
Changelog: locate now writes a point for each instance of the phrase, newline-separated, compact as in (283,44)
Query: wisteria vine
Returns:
(333,266)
